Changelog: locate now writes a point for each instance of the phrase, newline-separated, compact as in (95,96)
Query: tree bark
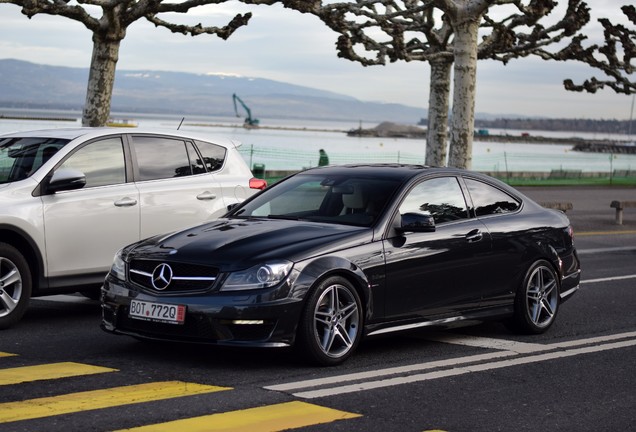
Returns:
(437,132)
(462,128)
(101,80)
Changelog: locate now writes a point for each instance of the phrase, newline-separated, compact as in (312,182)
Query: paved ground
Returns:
(591,205)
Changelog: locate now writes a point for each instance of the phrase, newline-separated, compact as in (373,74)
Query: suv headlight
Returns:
(260,276)
(118,269)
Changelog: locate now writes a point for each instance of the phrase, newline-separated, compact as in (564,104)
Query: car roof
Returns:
(393,171)
(96,132)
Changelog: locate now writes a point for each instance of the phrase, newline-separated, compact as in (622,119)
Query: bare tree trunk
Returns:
(465,71)
(437,132)
(101,80)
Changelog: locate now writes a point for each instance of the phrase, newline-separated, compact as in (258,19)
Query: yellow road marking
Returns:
(89,400)
(4,354)
(269,418)
(593,233)
(48,371)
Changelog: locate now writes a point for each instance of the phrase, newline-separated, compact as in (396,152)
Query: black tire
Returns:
(15,285)
(331,324)
(537,300)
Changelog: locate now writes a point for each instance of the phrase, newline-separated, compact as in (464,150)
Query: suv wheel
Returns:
(15,285)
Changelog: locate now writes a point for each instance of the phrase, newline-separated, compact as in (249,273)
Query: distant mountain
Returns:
(36,86)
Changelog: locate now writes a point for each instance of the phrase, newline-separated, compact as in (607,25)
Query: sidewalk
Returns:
(591,205)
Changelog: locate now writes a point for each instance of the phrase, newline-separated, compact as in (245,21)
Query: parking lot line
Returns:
(96,399)
(445,373)
(268,418)
(488,343)
(608,279)
(451,363)
(48,371)
(6,354)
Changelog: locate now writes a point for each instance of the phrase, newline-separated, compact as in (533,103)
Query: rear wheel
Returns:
(15,285)
(537,302)
(331,324)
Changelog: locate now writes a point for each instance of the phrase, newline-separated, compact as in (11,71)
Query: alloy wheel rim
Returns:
(336,321)
(10,286)
(542,296)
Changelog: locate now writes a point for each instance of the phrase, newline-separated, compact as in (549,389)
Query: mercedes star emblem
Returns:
(161,277)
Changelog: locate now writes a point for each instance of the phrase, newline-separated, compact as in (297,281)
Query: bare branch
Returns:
(56,7)
(222,32)
(608,59)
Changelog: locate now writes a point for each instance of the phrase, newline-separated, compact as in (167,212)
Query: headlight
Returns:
(260,276)
(118,269)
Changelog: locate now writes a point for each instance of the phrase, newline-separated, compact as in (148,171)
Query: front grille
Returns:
(171,277)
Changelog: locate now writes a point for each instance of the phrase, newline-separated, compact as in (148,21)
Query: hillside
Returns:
(29,85)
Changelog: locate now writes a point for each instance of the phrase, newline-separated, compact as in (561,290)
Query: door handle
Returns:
(474,236)
(206,196)
(125,202)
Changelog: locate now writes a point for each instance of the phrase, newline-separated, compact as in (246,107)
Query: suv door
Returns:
(85,227)
(176,190)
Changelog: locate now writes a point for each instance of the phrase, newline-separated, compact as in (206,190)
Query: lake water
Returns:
(297,143)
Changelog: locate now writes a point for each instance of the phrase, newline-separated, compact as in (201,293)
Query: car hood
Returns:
(232,244)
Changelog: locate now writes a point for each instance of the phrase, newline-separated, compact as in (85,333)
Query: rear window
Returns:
(162,158)
(488,200)
(213,155)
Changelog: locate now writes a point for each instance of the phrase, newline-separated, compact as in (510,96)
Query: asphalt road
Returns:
(578,376)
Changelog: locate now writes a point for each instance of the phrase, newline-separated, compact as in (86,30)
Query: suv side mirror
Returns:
(417,222)
(66,179)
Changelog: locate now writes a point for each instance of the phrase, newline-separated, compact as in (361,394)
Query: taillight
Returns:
(256,183)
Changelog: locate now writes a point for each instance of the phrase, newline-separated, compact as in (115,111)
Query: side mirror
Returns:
(417,222)
(66,179)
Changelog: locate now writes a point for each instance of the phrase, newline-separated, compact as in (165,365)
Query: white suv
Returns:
(70,198)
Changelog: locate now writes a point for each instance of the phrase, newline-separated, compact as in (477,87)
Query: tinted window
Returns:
(102,162)
(440,197)
(213,155)
(160,158)
(21,157)
(489,200)
(338,199)
(195,160)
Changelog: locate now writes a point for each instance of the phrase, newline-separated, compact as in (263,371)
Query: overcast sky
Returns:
(286,46)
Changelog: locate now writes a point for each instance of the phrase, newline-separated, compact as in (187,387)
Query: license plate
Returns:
(157,312)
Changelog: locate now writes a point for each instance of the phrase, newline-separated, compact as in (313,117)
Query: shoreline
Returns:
(580,144)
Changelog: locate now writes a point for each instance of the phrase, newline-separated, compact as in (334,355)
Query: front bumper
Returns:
(233,319)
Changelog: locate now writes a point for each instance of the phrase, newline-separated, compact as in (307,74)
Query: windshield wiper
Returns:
(284,217)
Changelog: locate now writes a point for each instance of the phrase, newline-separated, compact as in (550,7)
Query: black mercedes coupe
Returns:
(333,254)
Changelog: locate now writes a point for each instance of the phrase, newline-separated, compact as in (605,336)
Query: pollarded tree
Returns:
(446,34)
(614,58)
(109,30)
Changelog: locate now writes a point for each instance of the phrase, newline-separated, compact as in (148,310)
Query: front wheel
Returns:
(331,324)
(15,285)
(537,302)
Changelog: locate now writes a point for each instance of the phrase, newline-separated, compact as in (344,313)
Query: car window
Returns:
(102,162)
(161,158)
(441,197)
(213,155)
(489,200)
(306,197)
(21,157)
(322,198)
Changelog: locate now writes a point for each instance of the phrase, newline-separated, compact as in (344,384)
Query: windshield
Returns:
(342,199)
(21,157)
